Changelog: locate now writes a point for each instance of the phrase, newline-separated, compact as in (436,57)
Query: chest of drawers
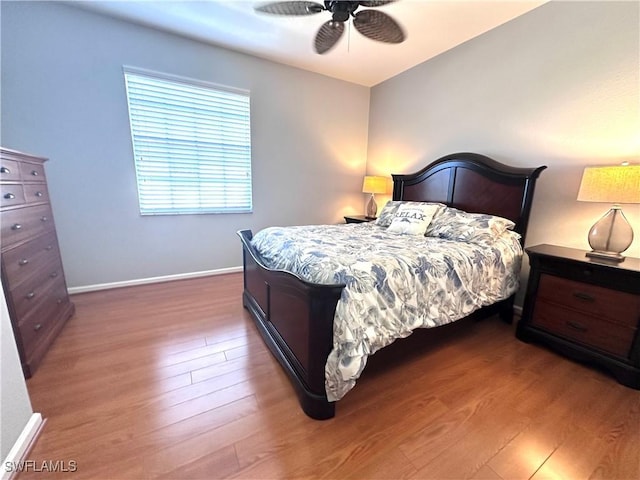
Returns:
(32,274)
(586,309)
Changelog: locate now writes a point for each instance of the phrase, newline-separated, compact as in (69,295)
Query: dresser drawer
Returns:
(12,194)
(29,259)
(33,291)
(587,330)
(9,170)
(614,306)
(35,326)
(22,223)
(36,193)
(32,172)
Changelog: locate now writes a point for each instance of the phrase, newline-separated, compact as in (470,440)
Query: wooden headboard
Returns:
(473,183)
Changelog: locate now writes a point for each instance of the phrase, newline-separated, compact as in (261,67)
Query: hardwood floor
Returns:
(173,381)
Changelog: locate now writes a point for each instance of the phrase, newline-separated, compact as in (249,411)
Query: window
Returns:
(191,145)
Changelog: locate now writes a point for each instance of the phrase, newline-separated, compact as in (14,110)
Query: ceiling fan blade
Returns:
(290,8)
(328,35)
(376,3)
(378,26)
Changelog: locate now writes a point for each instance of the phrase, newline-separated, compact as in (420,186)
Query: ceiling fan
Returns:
(373,24)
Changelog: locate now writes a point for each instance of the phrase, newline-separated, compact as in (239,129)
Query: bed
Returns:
(295,317)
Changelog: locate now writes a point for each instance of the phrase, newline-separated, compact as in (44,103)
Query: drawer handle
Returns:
(34,173)
(30,295)
(9,196)
(16,226)
(44,219)
(59,301)
(576,326)
(37,326)
(53,274)
(4,170)
(23,261)
(39,194)
(584,296)
(48,247)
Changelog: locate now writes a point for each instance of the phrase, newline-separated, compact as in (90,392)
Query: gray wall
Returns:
(63,97)
(15,407)
(559,86)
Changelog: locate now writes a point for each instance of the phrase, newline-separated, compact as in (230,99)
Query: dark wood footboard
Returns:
(295,318)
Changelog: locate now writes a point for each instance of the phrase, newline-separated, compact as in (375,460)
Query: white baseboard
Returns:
(22,446)
(146,281)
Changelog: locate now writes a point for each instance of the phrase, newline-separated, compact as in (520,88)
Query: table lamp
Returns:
(373,185)
(612,234)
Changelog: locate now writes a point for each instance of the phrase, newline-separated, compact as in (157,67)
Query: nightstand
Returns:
(358,219)
(586,309)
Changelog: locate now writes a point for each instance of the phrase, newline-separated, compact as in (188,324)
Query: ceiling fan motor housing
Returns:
(341,10)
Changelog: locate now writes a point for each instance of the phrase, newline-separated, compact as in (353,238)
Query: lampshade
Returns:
(616,184)
(612,234)
(373,184)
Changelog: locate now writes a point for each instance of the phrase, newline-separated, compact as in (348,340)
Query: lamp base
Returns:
(608,256)
(610,236)
(372,209)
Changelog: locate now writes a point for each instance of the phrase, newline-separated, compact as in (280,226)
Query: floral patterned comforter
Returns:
(394,283)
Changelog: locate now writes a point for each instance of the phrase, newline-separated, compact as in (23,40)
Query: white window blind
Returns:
(191,145)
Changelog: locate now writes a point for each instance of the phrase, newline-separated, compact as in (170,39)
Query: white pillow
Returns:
(391,207)
(413,219)
(461,226)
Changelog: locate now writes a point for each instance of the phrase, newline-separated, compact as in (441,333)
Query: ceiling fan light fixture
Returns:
(373,24)
(340,16)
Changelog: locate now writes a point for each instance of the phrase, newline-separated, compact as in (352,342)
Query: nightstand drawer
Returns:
(609,337)
(611,305)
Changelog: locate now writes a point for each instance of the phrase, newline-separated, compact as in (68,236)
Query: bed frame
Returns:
(295,317)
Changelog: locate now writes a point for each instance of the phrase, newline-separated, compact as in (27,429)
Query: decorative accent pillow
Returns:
(413,219)
(391,207)
(454,224)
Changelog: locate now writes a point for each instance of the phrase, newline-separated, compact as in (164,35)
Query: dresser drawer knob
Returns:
(22,262)
(53,274)
(30,295)
(59,301)
(48,247)
(34,173)
(37,326)
(9,196)
(584,296)
(44,219)
(39,194)
(16,226)
(577,326)
(4,170)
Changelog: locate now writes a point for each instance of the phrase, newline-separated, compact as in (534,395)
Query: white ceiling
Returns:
(431,26)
